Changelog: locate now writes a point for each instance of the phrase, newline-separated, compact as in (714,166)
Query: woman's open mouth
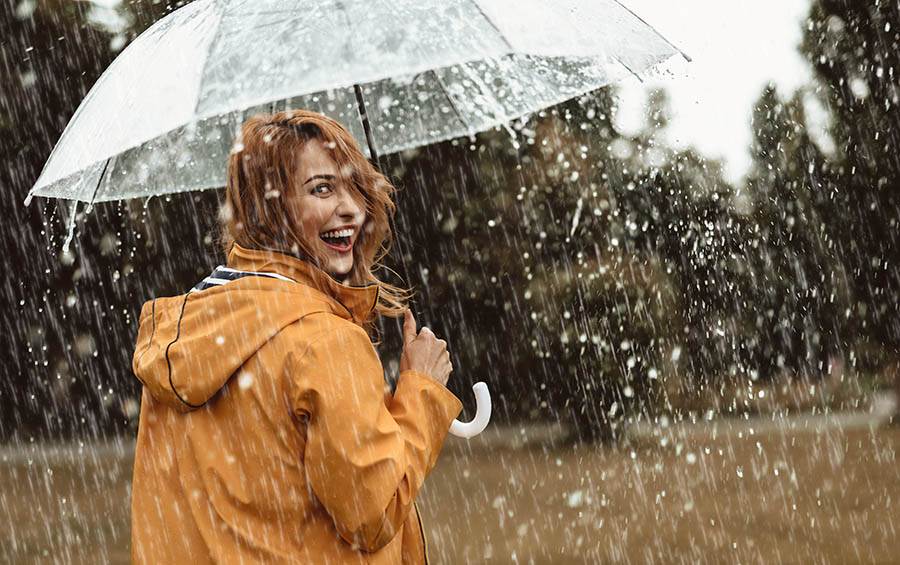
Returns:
(339,240)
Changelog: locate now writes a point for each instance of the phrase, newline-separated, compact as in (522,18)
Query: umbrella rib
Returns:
(97,188)
(630,70)
(661,36)
(209,49)
(493,25)
(450,99)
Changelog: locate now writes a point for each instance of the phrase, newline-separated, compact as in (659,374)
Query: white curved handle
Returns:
(482,414)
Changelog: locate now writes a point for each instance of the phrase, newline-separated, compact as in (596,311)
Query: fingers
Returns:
(445,373)
(448,363)
(447,366)
(409,326)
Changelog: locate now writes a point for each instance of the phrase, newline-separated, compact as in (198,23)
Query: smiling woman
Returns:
(296,176)
(327,207)
(266,434)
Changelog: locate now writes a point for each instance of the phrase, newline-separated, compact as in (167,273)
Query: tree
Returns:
(564,256)
(800,292)
(70,320)
(853,48)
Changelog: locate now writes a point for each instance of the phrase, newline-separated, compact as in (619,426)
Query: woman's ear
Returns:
(368,226)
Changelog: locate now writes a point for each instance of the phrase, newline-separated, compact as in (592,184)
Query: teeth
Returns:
(338,233)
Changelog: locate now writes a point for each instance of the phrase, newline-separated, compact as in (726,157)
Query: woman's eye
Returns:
(322,186)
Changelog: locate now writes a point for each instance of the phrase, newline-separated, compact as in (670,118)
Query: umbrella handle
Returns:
(482,414)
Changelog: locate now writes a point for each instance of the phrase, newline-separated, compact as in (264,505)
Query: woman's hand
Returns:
(424,352)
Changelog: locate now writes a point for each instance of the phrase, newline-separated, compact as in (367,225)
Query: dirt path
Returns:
(748,496)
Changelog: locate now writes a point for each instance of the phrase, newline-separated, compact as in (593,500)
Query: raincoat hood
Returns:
(189,346)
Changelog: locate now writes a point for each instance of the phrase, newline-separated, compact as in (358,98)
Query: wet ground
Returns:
(823,491)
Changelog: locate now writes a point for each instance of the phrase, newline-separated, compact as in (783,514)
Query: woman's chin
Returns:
(340,268)
(337,263)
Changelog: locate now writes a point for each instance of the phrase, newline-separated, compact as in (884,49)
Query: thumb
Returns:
(409,327)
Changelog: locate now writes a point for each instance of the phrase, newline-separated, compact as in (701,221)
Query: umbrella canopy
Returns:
(163,117)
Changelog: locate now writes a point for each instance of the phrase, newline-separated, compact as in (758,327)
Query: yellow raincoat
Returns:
(266,434)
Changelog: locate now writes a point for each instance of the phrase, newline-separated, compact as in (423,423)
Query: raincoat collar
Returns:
(358,301)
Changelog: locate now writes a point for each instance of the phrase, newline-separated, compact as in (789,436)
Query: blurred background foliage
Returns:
(591,277)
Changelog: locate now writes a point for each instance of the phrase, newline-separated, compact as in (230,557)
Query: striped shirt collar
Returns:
(223,275)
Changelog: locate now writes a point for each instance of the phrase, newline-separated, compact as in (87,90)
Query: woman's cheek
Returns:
(309,213)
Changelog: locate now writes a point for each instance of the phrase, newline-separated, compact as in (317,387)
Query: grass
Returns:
(828,495)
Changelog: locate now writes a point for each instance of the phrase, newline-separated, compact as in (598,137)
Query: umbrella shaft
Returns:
(365,122)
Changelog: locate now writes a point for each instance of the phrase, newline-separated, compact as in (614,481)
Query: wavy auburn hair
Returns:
(261,173)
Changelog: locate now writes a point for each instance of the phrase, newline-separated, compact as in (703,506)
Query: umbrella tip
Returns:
(28,198)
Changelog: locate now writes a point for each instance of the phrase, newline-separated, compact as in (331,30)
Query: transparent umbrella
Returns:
(398,73)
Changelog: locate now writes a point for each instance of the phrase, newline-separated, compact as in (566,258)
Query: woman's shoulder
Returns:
(319,327)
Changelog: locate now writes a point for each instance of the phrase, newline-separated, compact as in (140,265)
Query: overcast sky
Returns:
(737,46)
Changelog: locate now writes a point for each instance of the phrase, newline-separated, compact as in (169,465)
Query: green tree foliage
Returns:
(800,292)
(854,48)
(49,56)
(70,319)
(566,250)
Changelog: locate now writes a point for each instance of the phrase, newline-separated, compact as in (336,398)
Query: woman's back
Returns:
(265,431)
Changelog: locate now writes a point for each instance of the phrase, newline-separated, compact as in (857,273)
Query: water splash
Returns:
(512,135)
(70,235)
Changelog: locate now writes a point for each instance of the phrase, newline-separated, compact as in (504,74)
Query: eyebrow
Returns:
(314,177)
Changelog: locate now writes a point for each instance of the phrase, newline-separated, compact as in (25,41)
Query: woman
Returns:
(266,433)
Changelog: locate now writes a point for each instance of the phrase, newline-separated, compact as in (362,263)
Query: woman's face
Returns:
(324,209)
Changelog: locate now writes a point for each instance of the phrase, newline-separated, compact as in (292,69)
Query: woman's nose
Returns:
(347,205)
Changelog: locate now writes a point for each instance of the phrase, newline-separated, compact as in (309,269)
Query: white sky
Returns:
(737,47)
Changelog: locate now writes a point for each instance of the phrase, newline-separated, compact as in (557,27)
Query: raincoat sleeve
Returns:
(366,459)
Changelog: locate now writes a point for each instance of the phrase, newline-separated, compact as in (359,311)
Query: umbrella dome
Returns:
(162,118)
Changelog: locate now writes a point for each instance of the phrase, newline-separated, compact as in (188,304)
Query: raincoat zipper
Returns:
(422,531)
